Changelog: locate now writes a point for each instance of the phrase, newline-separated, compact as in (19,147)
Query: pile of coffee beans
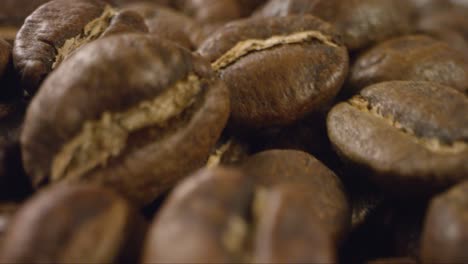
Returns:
(234,131)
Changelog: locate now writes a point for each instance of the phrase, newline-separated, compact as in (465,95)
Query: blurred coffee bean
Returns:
(362,22)
(446,227)
(145,101)
(264,93)
(58,28)
(74,224)
(410,58)
(411,136)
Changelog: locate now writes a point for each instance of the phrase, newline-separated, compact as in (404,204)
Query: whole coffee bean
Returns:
(134,112)
(205,217)
(167,23)
(330,204)
(411,136)
(362,22)
(5,55)
(445,233)
(210,11)
(288,229)
(411,58)
(245,54)
(56,29)
(74,224)
(221,215)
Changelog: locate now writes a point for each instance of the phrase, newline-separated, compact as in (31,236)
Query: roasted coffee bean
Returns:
(277,69)
(411,136)
(221,215)
(7,210)
(167,23)
(445,233)
(56,29)
(147,114)
(362,22)
(447,19)
(410,58)
(205,217)
(273,167)
(74,224)
(5,55)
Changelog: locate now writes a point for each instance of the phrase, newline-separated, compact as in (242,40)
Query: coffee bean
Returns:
(362,22)
(167,23)
(7,210)
(277,69)
(5,55)
(73,224)
(446,228)
(411,58)
(223,215)
(411,136)
(453,18)
(330,203)
(145,102)
(205,218)
(56,29)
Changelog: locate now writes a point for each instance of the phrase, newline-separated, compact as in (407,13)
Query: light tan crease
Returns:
(243,48)
(432,144)
(91,31)
(215,159)
(100,140)
(235,234)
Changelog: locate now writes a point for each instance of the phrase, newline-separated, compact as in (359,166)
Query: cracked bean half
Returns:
(147,113)
(410,58)
(445,234)
(167,23)
(222,215)
(411,136)
(278,70)
(74,224)
(361,22)
(5,55)
(58,28)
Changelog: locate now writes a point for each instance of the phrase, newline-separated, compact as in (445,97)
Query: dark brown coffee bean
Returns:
(221,215)
(411,58)
(288,229)
(56,29)
(5,55)
(205,217)
(210,11)
(167,23)
(412,136)
(445,233)
(330,205)
(144,101)
(277,69)
(74,224)
(362,22)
